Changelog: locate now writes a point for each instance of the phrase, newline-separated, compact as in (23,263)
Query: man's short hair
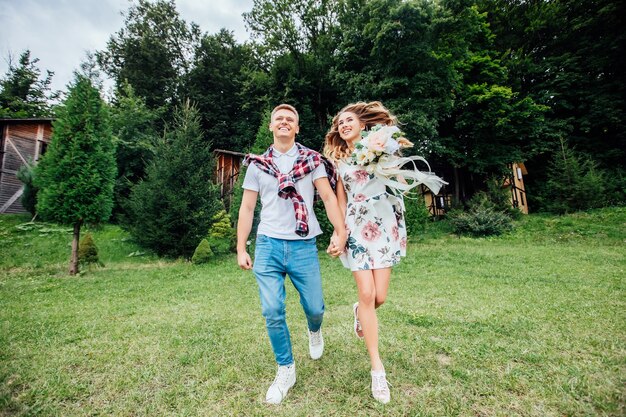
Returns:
(286,107)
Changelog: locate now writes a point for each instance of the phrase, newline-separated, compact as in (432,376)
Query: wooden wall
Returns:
(22,141)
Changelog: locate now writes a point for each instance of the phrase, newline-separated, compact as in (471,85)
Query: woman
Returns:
(374,208)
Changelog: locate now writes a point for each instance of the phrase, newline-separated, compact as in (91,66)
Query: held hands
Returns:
(244,260)
(337,244)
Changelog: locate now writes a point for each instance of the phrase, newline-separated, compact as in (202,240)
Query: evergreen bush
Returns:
(481,219)
(203,253)
(88,251)
(26,174)
(221,237)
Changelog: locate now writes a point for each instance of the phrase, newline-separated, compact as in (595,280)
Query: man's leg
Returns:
(304,270)
(270,275)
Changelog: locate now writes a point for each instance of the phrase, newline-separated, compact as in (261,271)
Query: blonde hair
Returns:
(286,107)
(369,114)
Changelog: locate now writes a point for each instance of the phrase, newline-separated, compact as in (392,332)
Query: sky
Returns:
(60,32)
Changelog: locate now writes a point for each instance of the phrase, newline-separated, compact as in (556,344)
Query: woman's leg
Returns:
(367,314)
(381,282)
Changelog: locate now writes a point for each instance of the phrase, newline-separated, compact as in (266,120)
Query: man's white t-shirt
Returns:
(278,218)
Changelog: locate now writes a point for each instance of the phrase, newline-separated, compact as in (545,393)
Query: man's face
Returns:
(284,124)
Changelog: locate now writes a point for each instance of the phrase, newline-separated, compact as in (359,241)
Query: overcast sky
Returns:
(59,32)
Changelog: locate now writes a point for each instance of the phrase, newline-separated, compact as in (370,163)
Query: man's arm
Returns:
(334,213)
(244,226)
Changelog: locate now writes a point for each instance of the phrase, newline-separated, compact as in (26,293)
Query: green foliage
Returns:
(490,125)
(416,216)
(298,39)
(151,52)
(264,137)
(77,173)
(26,174)
(386,53)
(170,211)
(574,183)
(203,253)
(133,126)
(22,93)
(216,83)
(88,251)
(482,218)
(221,236)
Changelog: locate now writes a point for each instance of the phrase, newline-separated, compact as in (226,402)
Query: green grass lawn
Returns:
(528,324)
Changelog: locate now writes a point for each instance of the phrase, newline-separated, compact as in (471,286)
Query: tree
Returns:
(170,211)
(216,85)
(569,55)
(152,52)
(574,182)
(133,125)
(489,125)
(22,92)
(298,41)
(387,53)
(77,173)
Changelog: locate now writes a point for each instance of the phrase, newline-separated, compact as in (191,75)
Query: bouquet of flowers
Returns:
(377,152)
(376,143)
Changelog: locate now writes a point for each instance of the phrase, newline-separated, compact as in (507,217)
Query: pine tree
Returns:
(574,182)
(22,93)
(77,173)
(170,211)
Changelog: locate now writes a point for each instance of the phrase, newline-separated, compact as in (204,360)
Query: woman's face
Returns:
(349,126)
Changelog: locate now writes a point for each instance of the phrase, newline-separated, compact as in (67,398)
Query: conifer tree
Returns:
(574,182)
(77,173)
(170,211)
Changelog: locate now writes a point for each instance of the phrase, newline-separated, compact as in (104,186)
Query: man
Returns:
(286,177)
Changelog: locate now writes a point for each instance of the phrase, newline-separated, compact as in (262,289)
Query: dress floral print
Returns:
(374,219)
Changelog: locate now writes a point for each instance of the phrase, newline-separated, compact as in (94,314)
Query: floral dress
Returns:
(374,219)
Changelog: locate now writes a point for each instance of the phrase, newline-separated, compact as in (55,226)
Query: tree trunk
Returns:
(74,259)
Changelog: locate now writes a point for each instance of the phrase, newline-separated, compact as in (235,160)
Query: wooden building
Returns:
(22,141)
(228,164)
(514,182)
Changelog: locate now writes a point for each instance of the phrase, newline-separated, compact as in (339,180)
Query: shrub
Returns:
(221,236)
(203,253)
(416,215)
(482,218)
(88,251)
(26,174)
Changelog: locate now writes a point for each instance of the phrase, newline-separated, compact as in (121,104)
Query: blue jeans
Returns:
(273,260)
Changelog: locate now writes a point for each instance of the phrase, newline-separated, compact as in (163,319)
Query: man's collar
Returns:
(293,151)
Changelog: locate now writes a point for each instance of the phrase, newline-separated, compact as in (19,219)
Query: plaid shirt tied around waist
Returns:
(306,163)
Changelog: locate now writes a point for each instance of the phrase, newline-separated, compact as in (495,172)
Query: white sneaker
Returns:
(285,378)
(316,344)
(380,387)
